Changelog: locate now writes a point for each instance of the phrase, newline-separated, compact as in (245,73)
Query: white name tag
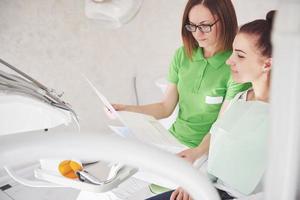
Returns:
(213,100)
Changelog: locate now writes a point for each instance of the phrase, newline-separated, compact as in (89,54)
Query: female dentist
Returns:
(200,80)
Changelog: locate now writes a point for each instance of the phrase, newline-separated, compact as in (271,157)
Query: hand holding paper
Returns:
(142,127)
(108,113)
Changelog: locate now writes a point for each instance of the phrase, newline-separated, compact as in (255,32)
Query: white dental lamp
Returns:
(112,13)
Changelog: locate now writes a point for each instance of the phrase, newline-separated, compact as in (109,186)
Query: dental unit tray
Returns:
(97,170)
(26,85)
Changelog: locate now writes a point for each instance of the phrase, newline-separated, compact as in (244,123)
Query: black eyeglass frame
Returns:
(200,27)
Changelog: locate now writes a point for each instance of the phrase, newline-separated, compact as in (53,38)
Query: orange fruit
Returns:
(68,168)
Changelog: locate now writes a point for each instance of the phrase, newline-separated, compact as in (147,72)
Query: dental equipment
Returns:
(85,176)
(25,84)
(29,105)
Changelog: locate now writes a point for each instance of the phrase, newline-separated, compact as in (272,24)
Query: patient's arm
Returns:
(158,110)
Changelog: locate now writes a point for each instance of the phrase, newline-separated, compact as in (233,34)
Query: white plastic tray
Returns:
(54,177)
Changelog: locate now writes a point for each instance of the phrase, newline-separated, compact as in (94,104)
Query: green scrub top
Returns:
(203,84)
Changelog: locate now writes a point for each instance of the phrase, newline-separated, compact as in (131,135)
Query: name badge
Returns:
(213,100)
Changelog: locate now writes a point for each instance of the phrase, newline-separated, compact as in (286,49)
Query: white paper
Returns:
(147,129)
(122,131)
(142,127)
(103,99)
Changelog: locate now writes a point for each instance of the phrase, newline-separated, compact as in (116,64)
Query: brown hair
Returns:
(225,13)
(262,29)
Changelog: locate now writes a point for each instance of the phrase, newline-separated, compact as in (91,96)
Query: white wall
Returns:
(54,42)
(247,11)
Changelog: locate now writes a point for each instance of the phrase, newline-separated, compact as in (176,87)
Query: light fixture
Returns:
(112,13)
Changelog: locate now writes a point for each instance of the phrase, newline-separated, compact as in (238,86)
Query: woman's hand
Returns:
(119,107)
(111,114)
(190,155)
(193,154)
(180,194)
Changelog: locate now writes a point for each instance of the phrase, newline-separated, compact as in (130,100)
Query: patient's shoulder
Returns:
(241,96)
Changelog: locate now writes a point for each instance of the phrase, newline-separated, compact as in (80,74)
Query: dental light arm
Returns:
(20,148)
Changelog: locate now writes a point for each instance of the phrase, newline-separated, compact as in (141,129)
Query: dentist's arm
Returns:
(158,110)
(191,155)
(194,153)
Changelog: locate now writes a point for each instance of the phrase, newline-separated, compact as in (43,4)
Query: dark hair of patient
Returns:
(262,29)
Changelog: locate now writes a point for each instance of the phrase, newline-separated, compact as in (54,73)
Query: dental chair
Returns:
(59,145)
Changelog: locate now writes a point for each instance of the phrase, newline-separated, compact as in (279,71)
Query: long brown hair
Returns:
(225,13)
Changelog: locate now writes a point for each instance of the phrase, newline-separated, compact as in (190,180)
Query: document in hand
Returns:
(147,129)
(143,127)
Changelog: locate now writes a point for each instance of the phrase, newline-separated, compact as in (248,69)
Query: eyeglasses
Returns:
(204,28)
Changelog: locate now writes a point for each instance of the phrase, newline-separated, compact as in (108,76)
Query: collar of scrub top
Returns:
(215,61)
(26,85)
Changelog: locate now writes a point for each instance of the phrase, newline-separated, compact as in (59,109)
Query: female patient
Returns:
(238,138)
